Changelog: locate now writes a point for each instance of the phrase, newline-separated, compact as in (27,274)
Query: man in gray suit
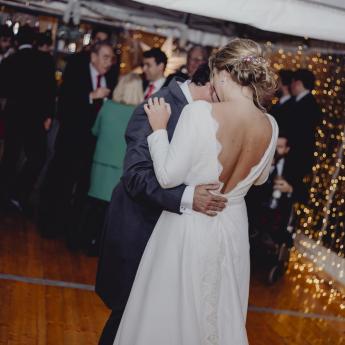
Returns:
(138,201)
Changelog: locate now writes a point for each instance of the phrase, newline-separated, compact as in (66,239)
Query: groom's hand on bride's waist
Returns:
(206,202)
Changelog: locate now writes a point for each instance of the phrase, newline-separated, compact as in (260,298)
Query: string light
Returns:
(322,219)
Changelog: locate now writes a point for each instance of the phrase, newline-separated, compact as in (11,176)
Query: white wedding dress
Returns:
(192,284)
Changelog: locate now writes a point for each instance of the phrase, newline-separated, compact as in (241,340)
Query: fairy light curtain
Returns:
(322,220)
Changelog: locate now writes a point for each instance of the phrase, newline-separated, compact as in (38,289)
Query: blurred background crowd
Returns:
(67,143)
(68,91)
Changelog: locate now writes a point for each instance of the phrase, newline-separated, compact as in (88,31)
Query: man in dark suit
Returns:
(86,84)
(99,34)
(306,115)
(269,205)
(138,201)
(282,111)
(28,83)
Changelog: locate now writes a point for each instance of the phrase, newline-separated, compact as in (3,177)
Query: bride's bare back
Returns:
(244,134)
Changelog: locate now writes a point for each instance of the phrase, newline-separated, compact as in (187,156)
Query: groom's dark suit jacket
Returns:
(136,205)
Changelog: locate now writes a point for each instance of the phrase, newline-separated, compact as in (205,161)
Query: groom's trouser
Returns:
(129,271)
(110,328)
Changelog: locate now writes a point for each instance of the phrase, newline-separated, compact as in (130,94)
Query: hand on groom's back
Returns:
(206,202)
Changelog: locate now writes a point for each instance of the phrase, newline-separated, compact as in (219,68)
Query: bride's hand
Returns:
(158,113)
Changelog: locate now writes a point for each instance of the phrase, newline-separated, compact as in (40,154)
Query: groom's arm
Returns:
(139,177)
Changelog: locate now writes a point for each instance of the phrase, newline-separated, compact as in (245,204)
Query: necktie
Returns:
(149,91)
(99,77)
(99,102)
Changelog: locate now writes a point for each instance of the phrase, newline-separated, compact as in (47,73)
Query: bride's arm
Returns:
(173,161)
(138,177)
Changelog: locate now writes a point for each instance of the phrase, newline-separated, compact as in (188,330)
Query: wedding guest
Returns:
(282,111)
(99,34)
(269,205)
(109,128)
(84,88)
(154,64)
(305,116)
(197,55)
(28,82)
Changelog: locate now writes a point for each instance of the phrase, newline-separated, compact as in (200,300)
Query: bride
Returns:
(192,284)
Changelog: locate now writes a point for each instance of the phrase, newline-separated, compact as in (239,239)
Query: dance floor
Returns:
(46,297)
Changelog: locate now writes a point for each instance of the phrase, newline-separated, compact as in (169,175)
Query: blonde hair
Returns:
(245,61)
(129,90)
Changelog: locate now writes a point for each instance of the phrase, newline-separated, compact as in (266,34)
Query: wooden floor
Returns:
(32,312)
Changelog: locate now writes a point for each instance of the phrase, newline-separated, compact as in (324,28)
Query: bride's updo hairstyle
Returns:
(245,61)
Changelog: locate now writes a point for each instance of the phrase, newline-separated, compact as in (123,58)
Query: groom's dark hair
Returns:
(201,75)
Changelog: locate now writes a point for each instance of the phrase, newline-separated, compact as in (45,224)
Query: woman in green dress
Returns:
(109,128)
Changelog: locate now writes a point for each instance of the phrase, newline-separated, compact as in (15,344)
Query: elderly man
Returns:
(84,88)
(197,55)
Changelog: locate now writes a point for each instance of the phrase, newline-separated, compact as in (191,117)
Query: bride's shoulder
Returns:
(197,112)
(197,108)
(198,105)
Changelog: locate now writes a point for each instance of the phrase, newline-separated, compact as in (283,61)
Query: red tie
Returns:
(99,102)
(99,77)
(149,91)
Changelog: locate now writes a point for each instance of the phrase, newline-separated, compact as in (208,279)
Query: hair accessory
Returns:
(253,59)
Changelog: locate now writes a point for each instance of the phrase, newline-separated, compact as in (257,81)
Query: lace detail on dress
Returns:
(212,266)
(211,289)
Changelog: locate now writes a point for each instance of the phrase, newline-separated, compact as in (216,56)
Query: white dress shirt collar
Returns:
(301,95)
(284,99)
(25,46)
(157,85)
(279,166)
(185,90)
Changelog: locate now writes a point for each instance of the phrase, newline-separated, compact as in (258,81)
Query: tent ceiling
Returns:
(198,22)
(319,19)
(337,4)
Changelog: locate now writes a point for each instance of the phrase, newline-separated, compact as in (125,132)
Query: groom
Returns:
(138,201)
